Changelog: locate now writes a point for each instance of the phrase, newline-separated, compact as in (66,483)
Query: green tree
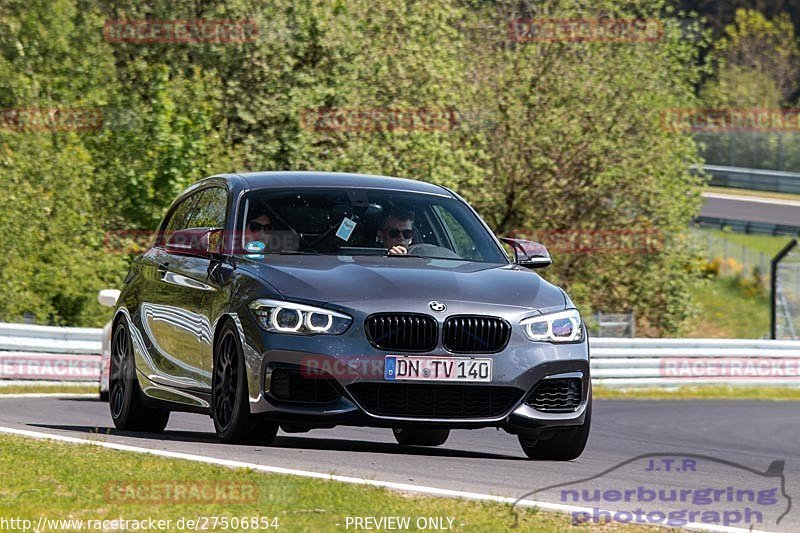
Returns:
(758,62)
(756,66)
(549,136)
(579,143)
(50,233)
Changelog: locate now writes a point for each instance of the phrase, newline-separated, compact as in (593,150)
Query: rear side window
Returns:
(209,211)
(180,217)
(203,209)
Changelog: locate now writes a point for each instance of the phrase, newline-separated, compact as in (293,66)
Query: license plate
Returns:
(403,367)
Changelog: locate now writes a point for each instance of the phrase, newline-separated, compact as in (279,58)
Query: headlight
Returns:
(564,326)
(298,319)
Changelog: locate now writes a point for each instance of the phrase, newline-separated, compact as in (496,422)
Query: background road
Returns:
(750,433)
(772,211)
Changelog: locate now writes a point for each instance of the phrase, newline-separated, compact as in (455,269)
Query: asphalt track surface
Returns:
(767,210)
(748,434)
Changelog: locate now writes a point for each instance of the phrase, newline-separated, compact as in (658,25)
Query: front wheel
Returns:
(559,444)
(230,406)
(124,394)
(406,436)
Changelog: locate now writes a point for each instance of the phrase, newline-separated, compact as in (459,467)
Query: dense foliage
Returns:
(547,135)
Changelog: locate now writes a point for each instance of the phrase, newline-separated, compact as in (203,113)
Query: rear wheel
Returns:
(230,406)
(411,436)
(558,444)
(124,394)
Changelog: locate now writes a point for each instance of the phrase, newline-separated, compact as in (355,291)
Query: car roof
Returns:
(282,180)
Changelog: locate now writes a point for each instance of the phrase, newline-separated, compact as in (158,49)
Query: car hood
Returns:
(338,279)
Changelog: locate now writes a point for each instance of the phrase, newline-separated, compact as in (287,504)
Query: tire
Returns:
(410,436)
(103,396)
(230,405)
(561,444)
(124,393)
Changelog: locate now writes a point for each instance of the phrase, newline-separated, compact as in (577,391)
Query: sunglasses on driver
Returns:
(255,227)
(394,233)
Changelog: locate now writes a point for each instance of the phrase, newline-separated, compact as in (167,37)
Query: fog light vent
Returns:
(558,395)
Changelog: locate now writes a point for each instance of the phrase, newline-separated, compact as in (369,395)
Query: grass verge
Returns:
(705,392)
(63,481)
(769,245)
(750,192)
(725,311)
(49,389)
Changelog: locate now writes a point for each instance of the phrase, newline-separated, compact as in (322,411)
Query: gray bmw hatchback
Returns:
(303,300)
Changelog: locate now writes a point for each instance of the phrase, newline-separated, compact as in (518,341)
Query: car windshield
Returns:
(363,222)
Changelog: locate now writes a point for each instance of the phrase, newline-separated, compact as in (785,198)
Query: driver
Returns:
(397,230)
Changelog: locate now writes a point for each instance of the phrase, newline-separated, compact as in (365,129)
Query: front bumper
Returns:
(349,359)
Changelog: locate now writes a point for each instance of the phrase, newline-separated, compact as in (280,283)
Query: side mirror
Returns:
(108,297)
(528,253)
(194,241)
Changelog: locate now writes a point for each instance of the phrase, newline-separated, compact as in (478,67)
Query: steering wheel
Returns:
(432,250)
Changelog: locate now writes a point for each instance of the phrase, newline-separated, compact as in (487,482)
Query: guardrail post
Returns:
(773,271)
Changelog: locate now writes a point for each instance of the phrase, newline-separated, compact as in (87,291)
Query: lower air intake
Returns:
(558,395)
(406,400)
(290,385)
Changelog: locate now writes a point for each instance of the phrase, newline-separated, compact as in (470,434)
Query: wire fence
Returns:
(735,259)
(726,258)
(787,296)
(613,325)
(751,149)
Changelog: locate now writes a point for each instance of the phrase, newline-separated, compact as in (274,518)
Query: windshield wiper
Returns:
(281,252)
(294,252)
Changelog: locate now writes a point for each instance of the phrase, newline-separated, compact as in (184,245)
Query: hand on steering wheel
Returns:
(398,250)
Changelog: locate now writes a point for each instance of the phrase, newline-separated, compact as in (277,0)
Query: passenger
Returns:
(259,228)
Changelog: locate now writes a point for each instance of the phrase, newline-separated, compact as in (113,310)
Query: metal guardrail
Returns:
(45,353)
(753,178)
(743,226)
(671,362)
(51,339)
(48,353)
(614,325)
